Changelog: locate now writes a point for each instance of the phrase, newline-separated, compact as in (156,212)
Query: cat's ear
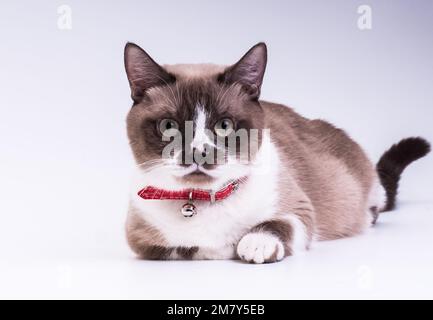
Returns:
(143,72)
(248,71)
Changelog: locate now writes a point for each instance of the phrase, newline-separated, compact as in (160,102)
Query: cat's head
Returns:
(189,123)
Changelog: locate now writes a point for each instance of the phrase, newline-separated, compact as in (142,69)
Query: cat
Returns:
(306,180)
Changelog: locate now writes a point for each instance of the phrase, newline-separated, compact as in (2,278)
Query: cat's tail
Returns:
(394,161)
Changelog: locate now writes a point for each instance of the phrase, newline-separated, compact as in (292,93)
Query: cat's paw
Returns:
(260,247)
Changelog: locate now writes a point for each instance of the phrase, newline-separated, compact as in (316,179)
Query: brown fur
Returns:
(333,173)
(187,253)
(393,162)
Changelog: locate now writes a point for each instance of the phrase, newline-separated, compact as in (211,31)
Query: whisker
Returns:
(152,164)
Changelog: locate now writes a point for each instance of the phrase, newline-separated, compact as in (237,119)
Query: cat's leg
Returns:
(376,201)
(289,230)
(146,241)
(275,239)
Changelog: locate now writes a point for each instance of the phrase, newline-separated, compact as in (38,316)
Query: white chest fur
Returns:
(220,224)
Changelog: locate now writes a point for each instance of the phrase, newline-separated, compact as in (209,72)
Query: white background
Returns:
(65,160)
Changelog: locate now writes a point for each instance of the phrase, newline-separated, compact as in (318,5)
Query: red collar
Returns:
(191,194)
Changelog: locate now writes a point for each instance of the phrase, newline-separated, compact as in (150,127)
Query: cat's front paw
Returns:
(260,247)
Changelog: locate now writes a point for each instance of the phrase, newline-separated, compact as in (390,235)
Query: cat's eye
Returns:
(168,127)
(224,127)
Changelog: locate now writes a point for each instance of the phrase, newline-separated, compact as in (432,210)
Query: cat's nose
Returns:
(203,152)
(200,154)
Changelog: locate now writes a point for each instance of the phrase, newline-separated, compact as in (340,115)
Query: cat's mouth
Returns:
(195,173)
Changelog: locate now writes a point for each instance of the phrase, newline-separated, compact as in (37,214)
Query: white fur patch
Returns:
(223,253)
(200,135)
(299,237)
(377,198)
(259,247)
